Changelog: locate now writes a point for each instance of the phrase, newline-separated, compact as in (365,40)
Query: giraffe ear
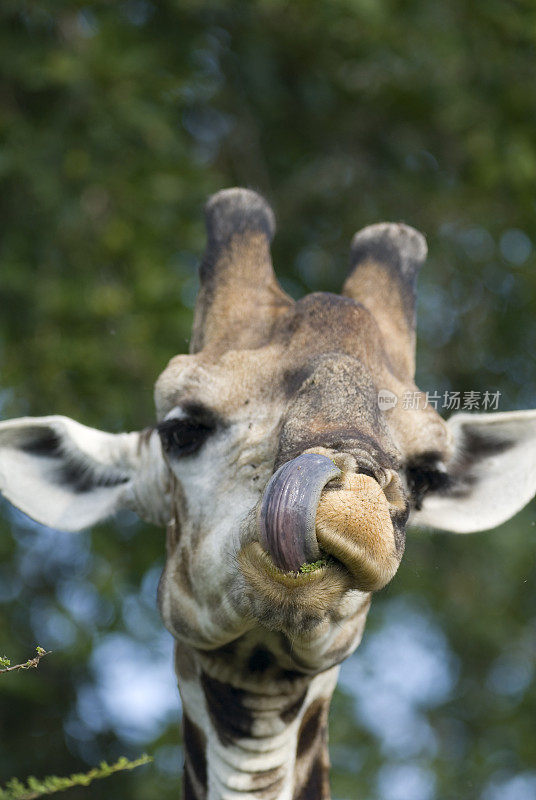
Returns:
(67,476)
(490,477)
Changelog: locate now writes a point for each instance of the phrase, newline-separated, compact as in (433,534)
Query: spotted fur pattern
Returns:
(253,724)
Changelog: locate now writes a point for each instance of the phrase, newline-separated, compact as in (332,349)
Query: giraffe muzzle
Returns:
(287,518)
(299,521)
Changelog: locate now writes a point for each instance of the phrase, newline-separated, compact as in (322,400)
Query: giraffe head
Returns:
(284,461)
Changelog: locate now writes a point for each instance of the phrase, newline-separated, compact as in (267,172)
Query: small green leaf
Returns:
(314,565)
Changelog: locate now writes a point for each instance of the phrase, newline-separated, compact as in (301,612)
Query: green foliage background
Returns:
(117,120)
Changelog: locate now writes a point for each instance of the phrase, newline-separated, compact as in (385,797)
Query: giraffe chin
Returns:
(316,591)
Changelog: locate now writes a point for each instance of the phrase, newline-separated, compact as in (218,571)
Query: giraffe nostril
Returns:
(287,517)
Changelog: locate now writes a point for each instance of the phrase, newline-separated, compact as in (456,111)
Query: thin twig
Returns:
(32,663)
(15,790)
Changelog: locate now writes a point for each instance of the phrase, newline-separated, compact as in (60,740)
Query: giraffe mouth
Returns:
(314,520)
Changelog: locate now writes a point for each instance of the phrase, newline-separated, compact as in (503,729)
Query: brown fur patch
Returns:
(195,759)
(316,787)
(226,651)
(312,760)
(225,705)
(311,726)
(190,789)
(267,785)
(260,661)
(291,711)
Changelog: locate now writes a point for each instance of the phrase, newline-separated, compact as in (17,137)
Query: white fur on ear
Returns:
(68,476)
(491,476)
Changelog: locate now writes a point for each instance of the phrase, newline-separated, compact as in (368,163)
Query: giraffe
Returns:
(284,487)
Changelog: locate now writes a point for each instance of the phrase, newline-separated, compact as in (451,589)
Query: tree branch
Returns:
(30,664)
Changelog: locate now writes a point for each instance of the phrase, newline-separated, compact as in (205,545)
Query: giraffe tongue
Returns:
(288,510)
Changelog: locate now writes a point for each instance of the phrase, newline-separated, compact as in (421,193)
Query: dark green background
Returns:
(117,119)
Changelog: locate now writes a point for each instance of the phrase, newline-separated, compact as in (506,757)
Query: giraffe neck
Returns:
(251,728)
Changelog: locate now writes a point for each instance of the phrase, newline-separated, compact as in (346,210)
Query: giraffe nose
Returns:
(287,517)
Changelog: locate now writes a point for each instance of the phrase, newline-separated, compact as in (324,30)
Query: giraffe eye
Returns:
(182,437)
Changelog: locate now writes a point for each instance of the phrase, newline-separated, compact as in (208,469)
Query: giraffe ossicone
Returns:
(271,449)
